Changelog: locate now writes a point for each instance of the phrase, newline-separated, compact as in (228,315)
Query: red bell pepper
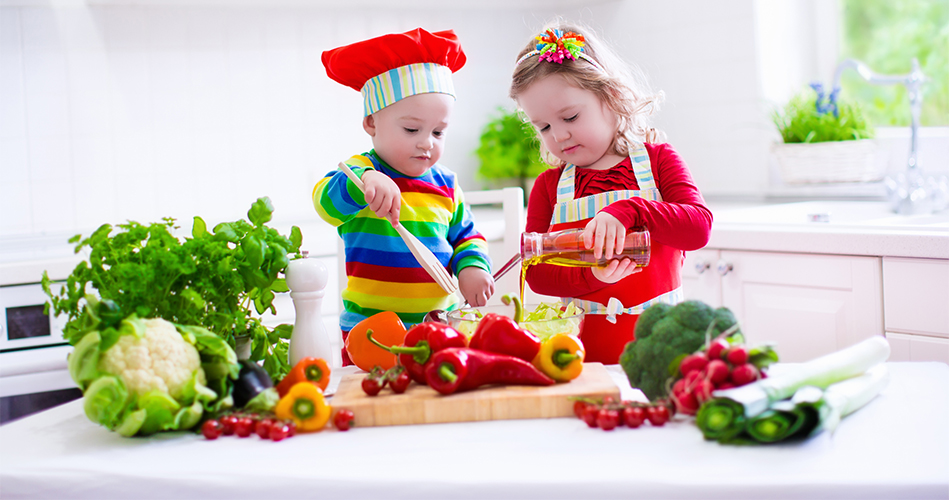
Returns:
(461,369)
(421,342)
(500,334)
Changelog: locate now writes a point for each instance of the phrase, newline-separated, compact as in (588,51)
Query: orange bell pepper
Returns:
(386,328)
(313,370)
(560,357)
(304,404)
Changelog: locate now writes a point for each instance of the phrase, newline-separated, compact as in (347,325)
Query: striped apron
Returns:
(612,311)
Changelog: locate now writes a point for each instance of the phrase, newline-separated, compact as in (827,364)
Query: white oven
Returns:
(34,372)
(23,324)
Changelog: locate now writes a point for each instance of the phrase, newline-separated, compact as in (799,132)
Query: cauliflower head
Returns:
(160,360)
(142,376)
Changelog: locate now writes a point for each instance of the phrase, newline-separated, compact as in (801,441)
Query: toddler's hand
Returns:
(476,285)
(616,270)
(382,195)
(605,234)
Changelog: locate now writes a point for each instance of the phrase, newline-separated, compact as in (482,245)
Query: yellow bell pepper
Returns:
(304,404)
(560,357)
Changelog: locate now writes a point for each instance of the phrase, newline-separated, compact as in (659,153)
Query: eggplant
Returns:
(251,381)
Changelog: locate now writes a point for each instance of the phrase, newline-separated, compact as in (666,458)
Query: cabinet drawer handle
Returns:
(724,268)
(702,266)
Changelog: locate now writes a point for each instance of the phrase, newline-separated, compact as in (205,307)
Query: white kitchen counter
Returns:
(829,227)
(895,447)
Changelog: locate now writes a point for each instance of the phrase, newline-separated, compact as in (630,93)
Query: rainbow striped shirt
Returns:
(382,273)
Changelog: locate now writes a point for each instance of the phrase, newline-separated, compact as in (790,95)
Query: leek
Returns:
(731,411)
(841,399)
(812,410)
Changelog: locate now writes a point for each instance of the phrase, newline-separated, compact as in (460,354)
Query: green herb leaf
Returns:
(200,228)
(260,212)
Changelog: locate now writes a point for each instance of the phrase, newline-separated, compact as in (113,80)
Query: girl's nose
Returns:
(561,135)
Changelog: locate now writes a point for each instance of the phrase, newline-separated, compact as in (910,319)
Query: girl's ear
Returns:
(369,125)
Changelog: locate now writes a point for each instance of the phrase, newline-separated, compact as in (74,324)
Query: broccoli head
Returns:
(663,334)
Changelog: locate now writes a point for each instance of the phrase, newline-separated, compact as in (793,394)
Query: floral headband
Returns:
(554,46)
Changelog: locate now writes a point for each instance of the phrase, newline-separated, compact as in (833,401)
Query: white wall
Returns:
(142,109)
(702,55)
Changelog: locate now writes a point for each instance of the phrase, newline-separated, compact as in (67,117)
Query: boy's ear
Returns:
(369,125)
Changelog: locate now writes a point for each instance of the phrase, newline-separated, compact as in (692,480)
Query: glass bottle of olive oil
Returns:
(566,248)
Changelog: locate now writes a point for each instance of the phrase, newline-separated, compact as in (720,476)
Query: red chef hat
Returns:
(389,68)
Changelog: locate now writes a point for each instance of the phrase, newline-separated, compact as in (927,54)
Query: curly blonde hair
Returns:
(621,87)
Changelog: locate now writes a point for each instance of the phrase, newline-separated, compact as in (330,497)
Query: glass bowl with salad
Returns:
(544,320)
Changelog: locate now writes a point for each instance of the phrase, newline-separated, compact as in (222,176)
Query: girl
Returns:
(590,117)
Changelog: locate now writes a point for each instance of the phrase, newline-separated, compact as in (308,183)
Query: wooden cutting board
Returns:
(420,404)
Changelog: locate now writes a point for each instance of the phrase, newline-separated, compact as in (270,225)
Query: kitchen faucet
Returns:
(909,193)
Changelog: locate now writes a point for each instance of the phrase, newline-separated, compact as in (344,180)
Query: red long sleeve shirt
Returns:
(681,220)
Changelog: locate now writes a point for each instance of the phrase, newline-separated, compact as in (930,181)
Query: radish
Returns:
(737,355)
(679,386)
(717,371)
(744,374)
(703,390)
(685,402)
(716,348)
(693,362)
(692,378)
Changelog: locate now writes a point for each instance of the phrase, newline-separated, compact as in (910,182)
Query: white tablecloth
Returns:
(895,447)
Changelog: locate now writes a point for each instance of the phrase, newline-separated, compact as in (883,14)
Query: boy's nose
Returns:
(426,143)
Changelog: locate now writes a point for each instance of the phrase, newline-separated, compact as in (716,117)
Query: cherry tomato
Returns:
(634,416)
(590,413)
(279,431)
(343,419)
(244,427)
(228,422)
(263,428)
(372,385)
(579,407)
(607,419)
(293,428)
(398,379)
(658,415)
(212,429)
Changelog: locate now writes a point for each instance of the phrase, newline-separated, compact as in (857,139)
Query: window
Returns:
(886,36)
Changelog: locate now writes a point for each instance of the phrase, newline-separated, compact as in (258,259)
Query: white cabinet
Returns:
(916,305)
(808,304)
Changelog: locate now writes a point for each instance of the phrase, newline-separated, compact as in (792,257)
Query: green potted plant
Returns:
(825,139)
(509,152)
(215,278)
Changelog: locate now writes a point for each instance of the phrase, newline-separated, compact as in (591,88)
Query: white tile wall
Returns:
(142,110)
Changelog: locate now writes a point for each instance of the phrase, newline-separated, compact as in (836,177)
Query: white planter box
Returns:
(824,162)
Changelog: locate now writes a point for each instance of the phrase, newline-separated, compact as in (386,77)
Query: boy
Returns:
(405,80)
